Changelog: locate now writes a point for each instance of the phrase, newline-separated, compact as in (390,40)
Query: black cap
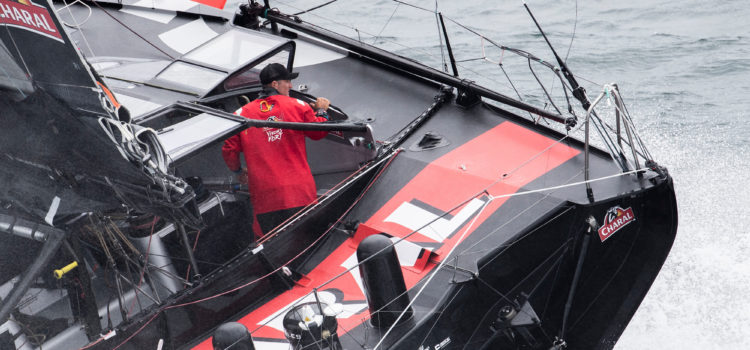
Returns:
(275,71)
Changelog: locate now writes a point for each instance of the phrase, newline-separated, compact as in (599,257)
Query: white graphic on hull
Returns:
(415,218)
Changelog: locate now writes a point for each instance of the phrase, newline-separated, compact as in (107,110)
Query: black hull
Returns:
(537,266)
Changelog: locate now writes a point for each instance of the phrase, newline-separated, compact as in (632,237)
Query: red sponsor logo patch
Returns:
(26,15)
(615,219)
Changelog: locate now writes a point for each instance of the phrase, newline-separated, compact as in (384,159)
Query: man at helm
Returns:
(278,175)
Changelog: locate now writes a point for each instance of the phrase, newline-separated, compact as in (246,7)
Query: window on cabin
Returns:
(237,47)
(250,76)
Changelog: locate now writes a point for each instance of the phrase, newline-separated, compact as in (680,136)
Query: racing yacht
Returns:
(449,215)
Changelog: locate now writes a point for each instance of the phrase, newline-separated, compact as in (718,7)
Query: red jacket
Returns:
(278,174)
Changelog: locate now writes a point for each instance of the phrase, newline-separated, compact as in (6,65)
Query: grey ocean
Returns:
(683,67)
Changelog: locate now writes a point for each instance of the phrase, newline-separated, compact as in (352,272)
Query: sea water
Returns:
(683,67)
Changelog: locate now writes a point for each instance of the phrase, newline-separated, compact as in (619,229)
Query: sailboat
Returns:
(448,216)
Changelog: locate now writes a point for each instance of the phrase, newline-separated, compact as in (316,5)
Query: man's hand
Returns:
(242,177)
(321,103)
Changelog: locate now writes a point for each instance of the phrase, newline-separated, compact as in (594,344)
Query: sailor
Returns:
(278,174)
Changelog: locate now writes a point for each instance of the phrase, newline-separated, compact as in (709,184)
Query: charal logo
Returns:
(27,15)
(615,219)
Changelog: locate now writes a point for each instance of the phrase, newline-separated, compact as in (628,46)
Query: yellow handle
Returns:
(59,273)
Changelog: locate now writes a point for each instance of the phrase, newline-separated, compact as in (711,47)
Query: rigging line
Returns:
(358,31)
(629,119)
(553,188)
(91,246)
(393,244)
(587,80)
(433,274)
(77,24)
(503,297)
(516,217)
(8,75)
(483,191)
(387,247)
(481,321)
(309,331)
(549,98)
(441,313)
(346,331)
(508,222)
(195,244)
(131,30)
(145,263)
(289,261)
(122,236)
(357,265)
(615,151)
(423,51)
(136,290)
(638,142)
(518,52)
(469,60)
(164,271)
(514,88)
(563,247)
(575,26)
(534,157)
(301,300)
(386,24)
(345,25)
(13,40)
(604,287)
(555,266)
(553,282)
(336,189)
(314,8)
(414,6)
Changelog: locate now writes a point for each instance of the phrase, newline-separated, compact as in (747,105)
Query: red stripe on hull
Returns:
(443,184)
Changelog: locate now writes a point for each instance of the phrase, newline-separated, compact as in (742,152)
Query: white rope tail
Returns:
(141,146)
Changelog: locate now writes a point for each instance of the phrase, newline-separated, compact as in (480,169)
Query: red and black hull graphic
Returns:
(471,173)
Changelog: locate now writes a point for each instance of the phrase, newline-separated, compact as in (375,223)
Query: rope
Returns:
(492,198)
(313,8)
(554,188)
(327,194)
(7,52)
(145,264)
(549,98)
(575,26)
(373,166)
(341,217)
(432,275)
(195,244)
(415,6)
(78,25)
(131,30)
(511,220)
(385,25)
